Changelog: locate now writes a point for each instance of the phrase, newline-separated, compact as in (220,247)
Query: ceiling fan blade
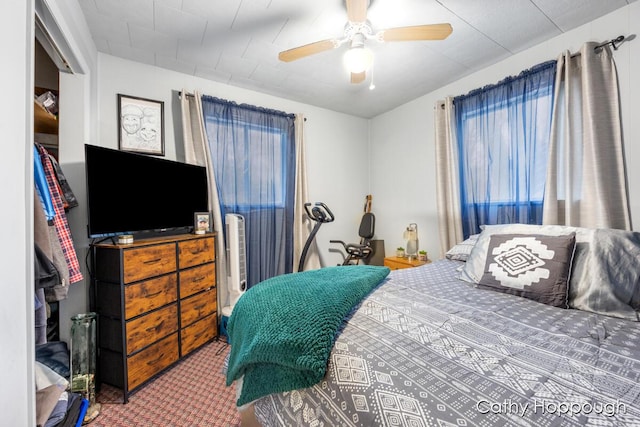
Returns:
(306,50)
(358,77)
(418,32)
(357,10)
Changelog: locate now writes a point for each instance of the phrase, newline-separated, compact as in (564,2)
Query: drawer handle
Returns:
(155,328)
(199,279)
(199,307)
(152,261)
(154,361)
(154,294)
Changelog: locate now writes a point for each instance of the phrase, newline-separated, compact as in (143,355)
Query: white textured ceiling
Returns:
(237,42)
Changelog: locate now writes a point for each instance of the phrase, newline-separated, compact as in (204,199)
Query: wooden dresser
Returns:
(156,303)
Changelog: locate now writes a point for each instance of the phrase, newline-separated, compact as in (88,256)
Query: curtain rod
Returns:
(615,43)
(191,94)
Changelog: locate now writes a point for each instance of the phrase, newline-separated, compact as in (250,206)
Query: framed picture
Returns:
(140,125)
(202,223)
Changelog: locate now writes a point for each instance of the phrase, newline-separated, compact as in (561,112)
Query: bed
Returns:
(426,347)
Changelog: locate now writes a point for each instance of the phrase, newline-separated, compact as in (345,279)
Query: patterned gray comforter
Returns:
(425,349)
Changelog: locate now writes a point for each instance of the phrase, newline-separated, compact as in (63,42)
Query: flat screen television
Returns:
(130,193)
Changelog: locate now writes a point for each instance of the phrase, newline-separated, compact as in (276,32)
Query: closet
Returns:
(61,399)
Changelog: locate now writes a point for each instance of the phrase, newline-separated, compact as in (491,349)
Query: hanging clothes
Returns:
(64,188)
(46,238)
(45,272)
(42,187)
(60,218)
(40,318)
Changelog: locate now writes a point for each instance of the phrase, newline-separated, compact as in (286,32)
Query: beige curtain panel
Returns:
(302,225)
(586,179)
(197,152)
(447,179)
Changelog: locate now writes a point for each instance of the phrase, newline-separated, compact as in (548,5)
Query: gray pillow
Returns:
(535,266)
(606,276)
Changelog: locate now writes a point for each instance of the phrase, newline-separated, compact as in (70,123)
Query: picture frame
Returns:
(202,223)
(140,125)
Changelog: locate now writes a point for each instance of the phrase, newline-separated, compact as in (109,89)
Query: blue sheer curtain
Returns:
(503,133)
(253,158)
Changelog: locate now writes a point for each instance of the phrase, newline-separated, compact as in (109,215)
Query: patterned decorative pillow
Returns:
(461,251)
(532,266)
(474,267)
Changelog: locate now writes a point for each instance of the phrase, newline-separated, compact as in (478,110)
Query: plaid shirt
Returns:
(60,218)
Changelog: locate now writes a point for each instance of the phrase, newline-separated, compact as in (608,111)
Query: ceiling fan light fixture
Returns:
(358,59)
(357,30)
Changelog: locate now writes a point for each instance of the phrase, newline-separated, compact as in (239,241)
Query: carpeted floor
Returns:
(190,394)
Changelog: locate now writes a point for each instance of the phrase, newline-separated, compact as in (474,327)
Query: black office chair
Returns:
(362,251)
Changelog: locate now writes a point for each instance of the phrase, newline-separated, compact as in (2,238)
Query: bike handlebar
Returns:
(319,213)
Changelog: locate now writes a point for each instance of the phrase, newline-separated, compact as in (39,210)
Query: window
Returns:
(259,159)
(253,159)
(503,134)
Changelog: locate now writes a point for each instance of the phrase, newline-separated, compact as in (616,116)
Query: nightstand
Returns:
(396,263)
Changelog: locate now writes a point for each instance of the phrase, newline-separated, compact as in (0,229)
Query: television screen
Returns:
(130,193)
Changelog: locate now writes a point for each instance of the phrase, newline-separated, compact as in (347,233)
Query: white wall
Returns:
(74,108)
(402,140)
(336,143)
(16,186)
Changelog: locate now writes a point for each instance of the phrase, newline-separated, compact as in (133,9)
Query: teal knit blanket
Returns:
(282,330)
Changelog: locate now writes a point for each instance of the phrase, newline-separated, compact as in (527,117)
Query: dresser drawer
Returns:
(149,261)
(147,329)
(195,335)
(197,279)
(145,296)
(196,252)
(197,307)
(145,364)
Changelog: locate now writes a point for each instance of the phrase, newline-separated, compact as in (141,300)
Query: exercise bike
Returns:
(320,214)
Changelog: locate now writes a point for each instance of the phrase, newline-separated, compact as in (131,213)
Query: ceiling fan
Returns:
(357,31)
